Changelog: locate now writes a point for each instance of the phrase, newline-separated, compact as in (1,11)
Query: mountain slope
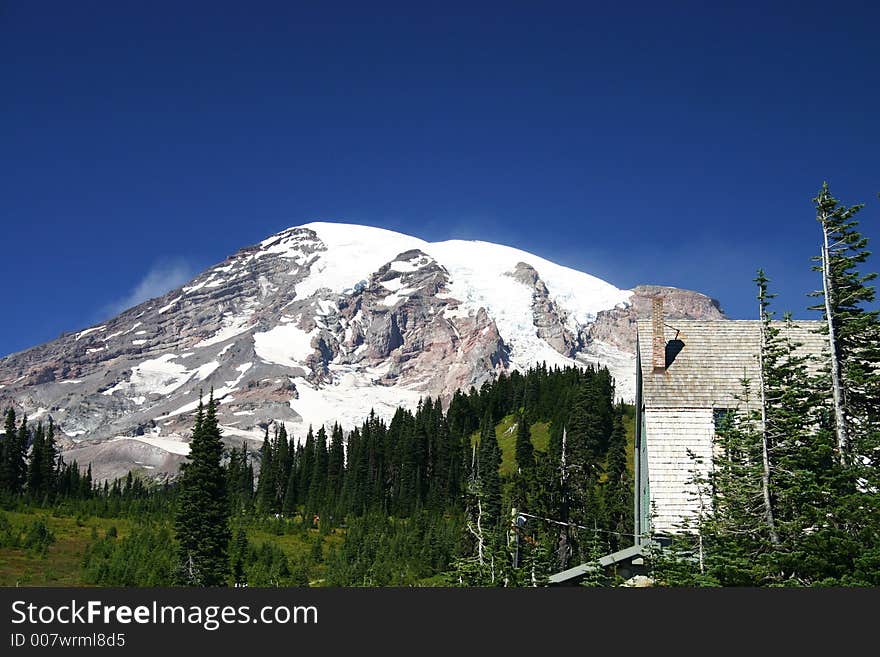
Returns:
(318,323)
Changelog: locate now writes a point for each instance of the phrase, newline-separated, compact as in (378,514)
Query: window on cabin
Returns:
(723,419)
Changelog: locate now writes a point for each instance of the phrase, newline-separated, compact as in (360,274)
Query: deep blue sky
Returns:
(655,142)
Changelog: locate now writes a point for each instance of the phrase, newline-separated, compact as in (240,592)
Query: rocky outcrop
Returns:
(617,326)
(398,324)
(549,320)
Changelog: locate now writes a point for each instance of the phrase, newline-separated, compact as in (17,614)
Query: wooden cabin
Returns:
(689,373)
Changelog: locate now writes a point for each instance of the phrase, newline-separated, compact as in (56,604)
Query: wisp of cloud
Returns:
(164,275)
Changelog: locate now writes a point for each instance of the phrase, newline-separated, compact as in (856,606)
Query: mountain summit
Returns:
(319,323)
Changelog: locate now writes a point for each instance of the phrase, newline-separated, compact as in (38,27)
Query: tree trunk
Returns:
(765,447)
(839,420)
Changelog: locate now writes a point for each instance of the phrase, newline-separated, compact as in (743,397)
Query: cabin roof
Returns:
(716,356)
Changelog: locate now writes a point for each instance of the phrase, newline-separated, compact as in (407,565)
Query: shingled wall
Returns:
(677,405)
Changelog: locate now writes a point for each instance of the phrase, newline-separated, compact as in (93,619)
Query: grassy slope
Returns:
(505,432)
(62,565)
(296,547)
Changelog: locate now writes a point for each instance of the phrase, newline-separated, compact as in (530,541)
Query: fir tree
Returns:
(49,461)
(282,463)
(290,493)
(851,326)
(489,460)
(239,477)
(335,467)
(266,483)
(617,489)
(524,478)
(202,521)
(35,469)
(318,479)
(306,466)
(767,357)
(13,462)
(239,558)
(525,452)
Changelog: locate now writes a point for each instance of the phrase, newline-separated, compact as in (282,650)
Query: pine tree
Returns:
(282,466)
(318,479)
(767,357)
(523,480)
(479,566)
(589,418)
(596,576)
(531,399)
(239,558)
(489,459)
(266,482)
(812,491)
(288,506)
(525,452)
(239,479)
(335,468)
(87,483)
(617,489)
(13,462)
(851,326)
(732,522)
(35,469)
(306,466)
(202,520)
(24,439)
(49,461)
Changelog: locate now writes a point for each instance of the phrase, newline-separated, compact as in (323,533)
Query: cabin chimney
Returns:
(658,353)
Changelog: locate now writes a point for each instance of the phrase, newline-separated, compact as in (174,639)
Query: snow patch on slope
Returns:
(168,444)
(284,345)
(348,401)
(353,253)
(232,325)
(157,375)
(479,269)
(82,334)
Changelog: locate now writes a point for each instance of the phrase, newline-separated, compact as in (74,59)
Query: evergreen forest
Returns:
(526,476)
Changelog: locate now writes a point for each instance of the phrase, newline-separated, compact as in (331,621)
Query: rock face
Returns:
(548,318)
(617,326)
(321,323)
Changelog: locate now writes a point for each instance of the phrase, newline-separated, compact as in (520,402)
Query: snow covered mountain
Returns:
(320,323)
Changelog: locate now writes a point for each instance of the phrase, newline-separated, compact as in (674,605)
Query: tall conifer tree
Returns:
(202,521)
(851,325)
(617,489)
(489,457)
(35,468)
(13,461)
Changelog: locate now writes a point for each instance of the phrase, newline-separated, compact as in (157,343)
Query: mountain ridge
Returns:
(319,323)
